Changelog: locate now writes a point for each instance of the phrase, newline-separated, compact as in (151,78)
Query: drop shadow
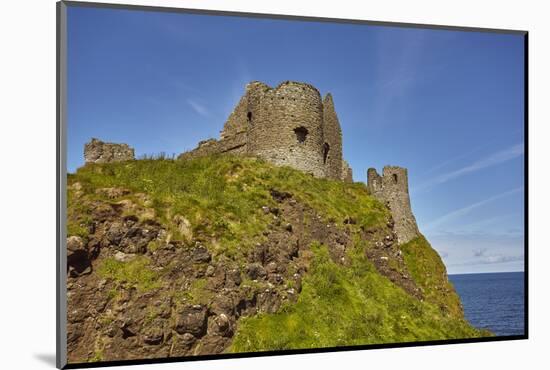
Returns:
(47,358)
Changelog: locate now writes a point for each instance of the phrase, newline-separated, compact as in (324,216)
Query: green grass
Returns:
(198,293)
(97,354)
(347,306)
(429,273)
(134,273)
(222,196)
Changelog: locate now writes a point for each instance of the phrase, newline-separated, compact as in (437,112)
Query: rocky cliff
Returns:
(228,254)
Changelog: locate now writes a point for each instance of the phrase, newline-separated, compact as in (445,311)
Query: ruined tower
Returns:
(97,151)
(289,125)
(392,188)
(286,126)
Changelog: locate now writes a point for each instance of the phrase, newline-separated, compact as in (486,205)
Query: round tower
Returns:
(286,125)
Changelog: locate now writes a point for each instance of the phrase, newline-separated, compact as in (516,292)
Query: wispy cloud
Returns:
(499,258)
(480,252)
(454,159)
(465,210)
(399,60)
(499,157)
(491,221)
(489,260)
(199,108)
(467,153)
(482,257)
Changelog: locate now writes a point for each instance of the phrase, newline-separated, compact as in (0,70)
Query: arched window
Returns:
(326,149)
(394,177)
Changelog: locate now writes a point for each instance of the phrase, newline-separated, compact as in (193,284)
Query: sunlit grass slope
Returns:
(339,305)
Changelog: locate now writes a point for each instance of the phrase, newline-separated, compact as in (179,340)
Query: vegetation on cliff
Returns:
(221,254)
(352,305)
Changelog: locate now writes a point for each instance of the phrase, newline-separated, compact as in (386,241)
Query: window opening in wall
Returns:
(249,116)
(301,134)
(394,177)
(326,149)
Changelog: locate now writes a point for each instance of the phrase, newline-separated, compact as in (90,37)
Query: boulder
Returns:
(221,325)
(181,344)
(211,345)
(123,257)
(153,335)
(255,271)
(200,254)
(192,320)
(78,258)
(233,278)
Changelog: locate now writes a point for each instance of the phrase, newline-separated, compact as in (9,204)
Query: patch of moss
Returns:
(77,229)
(198,293)
(135,273)
(154,245)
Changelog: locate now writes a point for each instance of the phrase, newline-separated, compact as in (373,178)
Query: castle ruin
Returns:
(289,125)
(392,188)
(97,151)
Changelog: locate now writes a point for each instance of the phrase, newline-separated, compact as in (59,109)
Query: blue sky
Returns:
(448,105)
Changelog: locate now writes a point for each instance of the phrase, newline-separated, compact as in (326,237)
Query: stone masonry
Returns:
(96,151)
(289,125)
(392,188)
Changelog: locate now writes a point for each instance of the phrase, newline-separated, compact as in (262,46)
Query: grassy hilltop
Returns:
(231,254)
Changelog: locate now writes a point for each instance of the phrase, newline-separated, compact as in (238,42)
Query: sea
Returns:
(493,301)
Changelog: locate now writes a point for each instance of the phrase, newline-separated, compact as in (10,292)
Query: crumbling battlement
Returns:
(347,175)
(289,125)
(235,144)
(97,151)
(392,188)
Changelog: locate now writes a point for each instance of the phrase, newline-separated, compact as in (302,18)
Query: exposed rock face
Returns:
(78,256)
(96,151)
(289,125)
(199,298)
(392,188)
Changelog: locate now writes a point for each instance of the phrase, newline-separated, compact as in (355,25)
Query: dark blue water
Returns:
(493,301)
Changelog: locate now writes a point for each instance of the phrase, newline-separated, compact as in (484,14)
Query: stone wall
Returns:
(97,151)
(237,121)
(235,144)
(332,146)
(392,188)
(289,125)
(347,174)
